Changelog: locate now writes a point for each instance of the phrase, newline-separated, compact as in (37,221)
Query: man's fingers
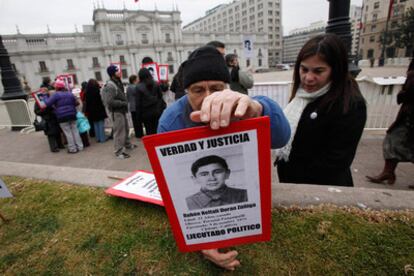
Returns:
(225,260)
(242,106)
(195,116)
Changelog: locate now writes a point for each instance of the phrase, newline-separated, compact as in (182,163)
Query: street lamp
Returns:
(338,23)
(11,84)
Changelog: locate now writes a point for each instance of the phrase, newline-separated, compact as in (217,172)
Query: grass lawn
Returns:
(61,229)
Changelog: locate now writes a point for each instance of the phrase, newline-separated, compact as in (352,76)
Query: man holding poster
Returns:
(209,101)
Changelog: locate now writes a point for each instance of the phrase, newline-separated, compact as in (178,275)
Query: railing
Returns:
(16,113)
(382,106)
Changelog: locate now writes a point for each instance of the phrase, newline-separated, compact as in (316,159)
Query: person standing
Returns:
(210,102)
(398,144)
(326,113)
(117,104)
(240,80)
(64,103)
(95,109)
(131,96)
(149,101)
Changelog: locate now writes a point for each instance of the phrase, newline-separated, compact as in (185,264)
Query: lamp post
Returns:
(338,23)
(11,84)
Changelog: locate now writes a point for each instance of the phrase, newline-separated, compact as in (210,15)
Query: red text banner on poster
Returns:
(215,184)
(140,185)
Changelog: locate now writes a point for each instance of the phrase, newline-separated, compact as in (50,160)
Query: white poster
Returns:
(214,186)
(248,46)
(4,192)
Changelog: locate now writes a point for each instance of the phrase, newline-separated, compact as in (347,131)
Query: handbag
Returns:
(82,122)
(39,125)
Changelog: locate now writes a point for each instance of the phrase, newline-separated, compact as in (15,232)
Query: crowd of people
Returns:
(315,136)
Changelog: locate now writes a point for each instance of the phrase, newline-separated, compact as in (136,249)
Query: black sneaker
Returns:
(123,155)
(131,146)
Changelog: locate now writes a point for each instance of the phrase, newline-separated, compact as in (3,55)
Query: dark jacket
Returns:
(65,104)
(406,113)
(51,123)
(94,106)
(227,195)
(149,104)
(324,147)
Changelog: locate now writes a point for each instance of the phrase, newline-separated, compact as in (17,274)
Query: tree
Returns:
(401,34)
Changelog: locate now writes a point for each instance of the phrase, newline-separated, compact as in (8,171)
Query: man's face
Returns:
(118,73)
(199,90)
(211,177)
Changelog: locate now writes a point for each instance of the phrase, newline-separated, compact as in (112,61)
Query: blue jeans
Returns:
(99,127)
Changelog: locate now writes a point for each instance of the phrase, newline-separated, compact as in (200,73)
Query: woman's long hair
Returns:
(145,77)
(331,50)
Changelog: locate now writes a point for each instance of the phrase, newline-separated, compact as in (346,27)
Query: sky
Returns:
(62,15)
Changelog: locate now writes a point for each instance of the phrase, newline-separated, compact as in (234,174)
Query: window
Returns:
(270,21)
(373,28)
(270,12)
(167,38)
(124,73)
(370,53)
(372,38)
(260,6)
(247,62)
(119,40)
(374,17)
(171,69)
(144,39)
(122,59)
(270,4)
(43,67)
(376,5)
(70,64)
(98,76)
(95,62)
(260,62)
(170,57)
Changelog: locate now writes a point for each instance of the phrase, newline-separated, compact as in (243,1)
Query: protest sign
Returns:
(40,97)
(248,46)
(4,192)
(140,185)
(215,184)
(68,79)
(154,70)
(163,72)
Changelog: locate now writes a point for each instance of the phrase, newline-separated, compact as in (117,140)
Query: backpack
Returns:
(105,93)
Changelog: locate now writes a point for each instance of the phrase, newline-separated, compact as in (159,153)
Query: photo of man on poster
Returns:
(210,173)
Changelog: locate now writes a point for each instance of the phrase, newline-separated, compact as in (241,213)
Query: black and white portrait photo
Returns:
(210,174)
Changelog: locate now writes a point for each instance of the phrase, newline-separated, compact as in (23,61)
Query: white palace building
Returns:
(125,36)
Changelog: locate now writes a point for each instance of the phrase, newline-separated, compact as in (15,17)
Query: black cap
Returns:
(205,63)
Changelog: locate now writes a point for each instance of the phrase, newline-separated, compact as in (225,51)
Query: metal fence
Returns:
(381,104)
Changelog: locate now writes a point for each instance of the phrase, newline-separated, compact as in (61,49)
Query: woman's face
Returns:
(314,73)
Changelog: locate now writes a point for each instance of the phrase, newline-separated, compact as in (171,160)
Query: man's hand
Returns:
(225,260)
(222,106)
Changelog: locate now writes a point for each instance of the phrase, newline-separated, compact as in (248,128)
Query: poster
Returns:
(140,185)
(153,68)
(119,66)
(4,192)
(68,79)
(40,96)
(163,72)
(248,46)
(215,184)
